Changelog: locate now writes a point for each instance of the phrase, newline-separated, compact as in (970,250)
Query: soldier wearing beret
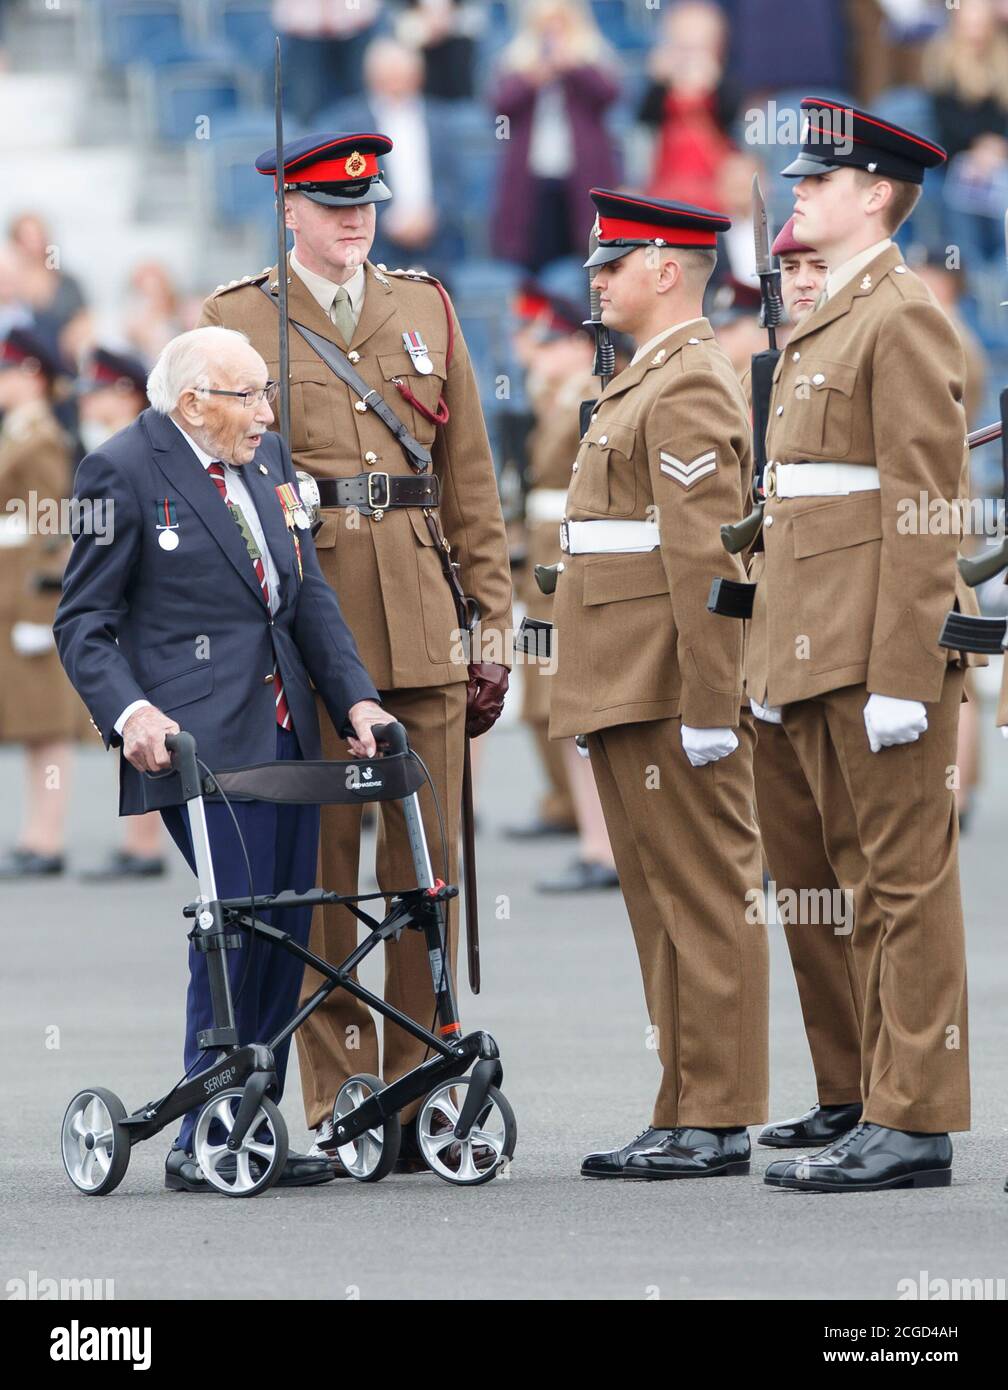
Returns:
(866,416)
(38,706)
(383,526)
(801,865)
(655,682)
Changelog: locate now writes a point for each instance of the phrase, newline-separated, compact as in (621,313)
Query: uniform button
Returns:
(268,680)
(768,521)
(780,410)
(370,457)
(603,439)
(574,468)
(692,340)
(818,379)
(899,269)
(359,406)
(796,357)
(353,357)
(594,416)
(560,567)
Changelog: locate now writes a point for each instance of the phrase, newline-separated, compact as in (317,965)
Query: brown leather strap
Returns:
(377,492)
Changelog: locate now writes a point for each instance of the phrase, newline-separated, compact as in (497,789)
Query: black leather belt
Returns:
(374,493)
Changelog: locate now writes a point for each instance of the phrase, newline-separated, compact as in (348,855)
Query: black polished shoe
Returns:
(612,1163)
(25,863)
(539,829)
(582,876)
(122,864)
(813,1130)
(870,1158)
(688,1152)
(183,1173)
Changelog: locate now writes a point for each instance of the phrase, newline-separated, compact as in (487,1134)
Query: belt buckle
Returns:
(564,538)
(769,486)
(378,506)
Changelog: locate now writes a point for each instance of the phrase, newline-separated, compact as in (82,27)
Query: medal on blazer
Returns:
(167,524)
(417,349)
(294,516)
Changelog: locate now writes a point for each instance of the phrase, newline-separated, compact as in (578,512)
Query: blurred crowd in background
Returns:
(503,114)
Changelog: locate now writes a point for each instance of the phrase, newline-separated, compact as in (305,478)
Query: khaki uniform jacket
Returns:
(669,441)
(36,699)
(387,574)
(852,592)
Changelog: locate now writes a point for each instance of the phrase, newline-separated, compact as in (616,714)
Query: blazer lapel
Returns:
(379,306)
(262,487)
(188,476)
(656,356)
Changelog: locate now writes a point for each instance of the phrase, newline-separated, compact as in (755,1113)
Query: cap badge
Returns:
(417,349)
(355,164)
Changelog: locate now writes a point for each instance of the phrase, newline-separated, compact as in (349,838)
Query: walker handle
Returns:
(182,747)
(391,737)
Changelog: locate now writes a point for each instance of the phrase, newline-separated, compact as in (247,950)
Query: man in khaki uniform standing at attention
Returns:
(866,420)
(378,546)
(805,871)
(655,681)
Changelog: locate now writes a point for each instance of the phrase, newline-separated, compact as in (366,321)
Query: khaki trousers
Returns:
(688,854)
(900,805)
(827,970)
(340,1038)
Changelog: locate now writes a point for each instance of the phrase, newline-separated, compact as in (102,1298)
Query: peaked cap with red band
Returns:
(625,222)
(835,136)
(25,349)
(336,170)
(119,371)
(552,314)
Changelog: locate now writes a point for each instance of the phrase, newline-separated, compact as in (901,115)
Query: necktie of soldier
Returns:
(342,314)
(216,472)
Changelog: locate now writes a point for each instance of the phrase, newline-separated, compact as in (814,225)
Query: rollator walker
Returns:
(466,1129)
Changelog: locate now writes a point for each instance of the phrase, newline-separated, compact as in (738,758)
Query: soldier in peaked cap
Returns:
(379,543)
(38,706)
(655,681)
(866,414)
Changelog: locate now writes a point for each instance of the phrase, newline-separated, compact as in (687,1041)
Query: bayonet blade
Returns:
(761,232)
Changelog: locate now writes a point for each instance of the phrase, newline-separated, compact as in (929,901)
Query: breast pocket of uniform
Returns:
(609,481)
(415,393)
(821,410)
(313,419)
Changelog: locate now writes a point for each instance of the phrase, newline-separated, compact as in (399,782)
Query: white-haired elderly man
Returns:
(208,610)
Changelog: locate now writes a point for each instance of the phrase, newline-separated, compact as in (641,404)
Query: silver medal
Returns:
(168,540)
(417,349)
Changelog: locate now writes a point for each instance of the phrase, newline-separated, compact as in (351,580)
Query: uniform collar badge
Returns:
(658,358)
(417,349)
(866,283)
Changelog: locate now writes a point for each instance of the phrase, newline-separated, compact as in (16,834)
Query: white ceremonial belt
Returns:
(13,531)
(546,504)
(819,479)
(608,537)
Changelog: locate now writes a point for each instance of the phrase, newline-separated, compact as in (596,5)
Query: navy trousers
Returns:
(282,847)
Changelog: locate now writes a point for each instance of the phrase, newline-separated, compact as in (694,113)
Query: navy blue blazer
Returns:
(186,627)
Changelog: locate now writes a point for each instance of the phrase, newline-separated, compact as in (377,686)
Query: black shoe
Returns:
(688,1152)
(612,1163)
(410,1159)
(539,829)
(25,863)
(183,1173)
(870,1158)
(813,1130)
(581,877)
(122,864)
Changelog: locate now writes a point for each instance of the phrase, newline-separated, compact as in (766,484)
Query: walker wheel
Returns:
(486,1150)
(95,1142)
(254,1167)
(373,1154)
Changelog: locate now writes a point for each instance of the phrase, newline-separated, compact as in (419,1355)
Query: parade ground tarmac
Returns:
(93,991)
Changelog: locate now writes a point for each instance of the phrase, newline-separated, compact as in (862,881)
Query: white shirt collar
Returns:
(323,291)
(844,273)
(645,348)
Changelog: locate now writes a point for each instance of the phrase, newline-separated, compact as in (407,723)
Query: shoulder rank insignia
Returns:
(686,474)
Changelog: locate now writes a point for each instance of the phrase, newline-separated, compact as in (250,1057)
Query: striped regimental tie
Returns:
(216,471)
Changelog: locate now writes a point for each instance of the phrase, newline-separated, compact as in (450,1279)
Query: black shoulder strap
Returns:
(337,362)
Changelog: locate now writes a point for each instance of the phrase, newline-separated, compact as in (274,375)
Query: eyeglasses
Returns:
(250,398)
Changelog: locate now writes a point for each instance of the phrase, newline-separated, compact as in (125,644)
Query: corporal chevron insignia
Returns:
(688,473)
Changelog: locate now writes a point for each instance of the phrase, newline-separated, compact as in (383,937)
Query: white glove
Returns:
(770,714)
(890,721)
(32,639)
(707,745)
